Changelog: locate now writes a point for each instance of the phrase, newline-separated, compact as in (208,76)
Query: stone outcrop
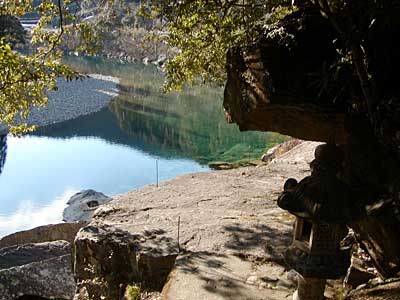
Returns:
(36,270)
(107,259)
(274,85)
(193,225)
(82,205)
(46,233)
(225,276)
(36,263)
(293,81)
(24,254)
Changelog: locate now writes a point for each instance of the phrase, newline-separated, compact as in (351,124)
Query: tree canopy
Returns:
(27,75)
(202,31)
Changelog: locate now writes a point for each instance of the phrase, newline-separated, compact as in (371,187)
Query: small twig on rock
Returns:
(179,225)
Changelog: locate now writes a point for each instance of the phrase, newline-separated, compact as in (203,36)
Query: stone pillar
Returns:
(309,288)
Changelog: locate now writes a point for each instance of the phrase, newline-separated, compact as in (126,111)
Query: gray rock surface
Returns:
(82,205)
(220,277)
(46,233)
(42,270)
(24,254)
(209,222)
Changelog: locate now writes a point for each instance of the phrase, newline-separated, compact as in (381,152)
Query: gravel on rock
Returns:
(74,99)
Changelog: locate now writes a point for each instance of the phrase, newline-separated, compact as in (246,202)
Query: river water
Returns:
(117,149)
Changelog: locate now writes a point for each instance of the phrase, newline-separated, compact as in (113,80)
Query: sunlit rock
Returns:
(82,205)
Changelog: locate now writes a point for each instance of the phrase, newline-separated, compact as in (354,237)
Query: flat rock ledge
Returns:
(213,235)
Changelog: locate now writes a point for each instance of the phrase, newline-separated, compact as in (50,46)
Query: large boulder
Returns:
(82,205)
(46,233)
(25,254)
(275,84)
(108,259)
(36,270)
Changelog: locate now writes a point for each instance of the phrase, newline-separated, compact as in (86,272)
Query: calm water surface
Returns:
(115,150)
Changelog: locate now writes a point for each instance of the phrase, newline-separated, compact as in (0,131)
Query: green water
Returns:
(120,147)
(189,123)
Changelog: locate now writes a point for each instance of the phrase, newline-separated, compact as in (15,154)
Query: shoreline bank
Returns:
(72,100)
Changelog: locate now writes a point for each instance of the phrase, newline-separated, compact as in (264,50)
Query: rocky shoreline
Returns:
(212,235)
(73,99)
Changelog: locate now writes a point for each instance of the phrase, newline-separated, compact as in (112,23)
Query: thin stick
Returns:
(179,227)
(157,172)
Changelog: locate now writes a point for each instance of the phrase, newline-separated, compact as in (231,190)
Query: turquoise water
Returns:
(41,173)
(116,149)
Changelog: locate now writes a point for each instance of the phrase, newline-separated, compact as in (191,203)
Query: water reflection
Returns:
(39,169)
(115,150)
(188,124)
(29,214)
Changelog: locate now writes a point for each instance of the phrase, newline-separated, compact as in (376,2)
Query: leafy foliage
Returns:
(26,77)
(203,31)
(11,28)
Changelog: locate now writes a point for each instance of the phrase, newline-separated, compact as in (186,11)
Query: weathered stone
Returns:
(252,280)
(269,84)
(82,205)
(310,289)
(24,254)
(46,233)
(108,259)
(37,270)
(217,212)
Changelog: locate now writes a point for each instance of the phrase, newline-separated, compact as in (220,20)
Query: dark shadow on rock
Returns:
(246,238)
(211,270)
(149,256)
